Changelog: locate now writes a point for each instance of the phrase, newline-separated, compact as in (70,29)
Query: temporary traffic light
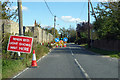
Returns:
(61,35)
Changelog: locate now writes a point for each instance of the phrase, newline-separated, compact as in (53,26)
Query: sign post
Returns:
(20,44)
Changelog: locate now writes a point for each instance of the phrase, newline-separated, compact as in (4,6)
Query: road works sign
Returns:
(65,39)
(20,44)
(56,39)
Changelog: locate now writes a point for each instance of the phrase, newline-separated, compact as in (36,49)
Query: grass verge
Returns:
(11,67)
(115,54)
(0,68)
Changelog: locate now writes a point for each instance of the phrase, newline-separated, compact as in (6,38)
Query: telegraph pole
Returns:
(76,31)
(93,11)
(88,24)
(54,25)
(20,17)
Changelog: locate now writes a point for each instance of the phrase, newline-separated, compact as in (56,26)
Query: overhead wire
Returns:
(49,8)
(57,16)
(81,13)
(53,14)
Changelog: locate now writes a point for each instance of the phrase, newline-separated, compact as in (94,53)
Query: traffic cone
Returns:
(56,45)
(51,43)
(60,45)
(64,45)
(34,63)
(41,43)
(48,43)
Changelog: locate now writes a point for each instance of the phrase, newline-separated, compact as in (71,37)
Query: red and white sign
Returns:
(20,44)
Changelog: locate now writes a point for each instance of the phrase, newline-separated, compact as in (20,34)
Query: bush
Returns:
(119,54)
(81,41)
(5,42)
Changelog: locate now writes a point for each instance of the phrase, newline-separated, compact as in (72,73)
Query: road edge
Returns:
(28,67)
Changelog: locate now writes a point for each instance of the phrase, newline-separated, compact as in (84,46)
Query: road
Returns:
(73,62)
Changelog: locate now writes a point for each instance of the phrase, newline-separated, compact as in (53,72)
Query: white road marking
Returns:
(86,75)
(72,53)
(19,73)
(28,68)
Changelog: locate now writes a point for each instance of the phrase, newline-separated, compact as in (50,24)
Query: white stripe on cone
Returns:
(34,57)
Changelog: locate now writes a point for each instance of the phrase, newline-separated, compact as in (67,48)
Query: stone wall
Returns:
(39,34)
(10,27)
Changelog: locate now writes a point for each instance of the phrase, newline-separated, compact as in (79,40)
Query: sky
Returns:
(68,13)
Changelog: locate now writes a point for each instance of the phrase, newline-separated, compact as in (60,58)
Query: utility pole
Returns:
(20,17)
(54,25)
(76,31)
(88,24)
(93,11)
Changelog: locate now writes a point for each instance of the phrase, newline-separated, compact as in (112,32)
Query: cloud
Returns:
(23,8)
(45,26)
(30,25)
(70,19)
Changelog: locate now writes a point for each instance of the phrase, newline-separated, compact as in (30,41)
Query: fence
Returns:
(107,44)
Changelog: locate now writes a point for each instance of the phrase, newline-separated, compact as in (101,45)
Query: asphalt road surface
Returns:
(73,62)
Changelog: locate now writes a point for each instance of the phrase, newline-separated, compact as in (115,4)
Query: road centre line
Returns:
(86,75)
(71,51)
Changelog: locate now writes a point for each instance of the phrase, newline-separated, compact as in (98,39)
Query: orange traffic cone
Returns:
(34,63)
(60,45)
(48,43)
(56,45)
(64,45)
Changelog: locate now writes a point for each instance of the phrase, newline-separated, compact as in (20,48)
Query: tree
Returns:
(63,31)
(51,30)
(107,25)
(70,33)
(6,12)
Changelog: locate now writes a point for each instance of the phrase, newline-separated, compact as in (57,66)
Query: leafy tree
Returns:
(63,31)
(70,33)
(107,25)
(6,12)
(51,30)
